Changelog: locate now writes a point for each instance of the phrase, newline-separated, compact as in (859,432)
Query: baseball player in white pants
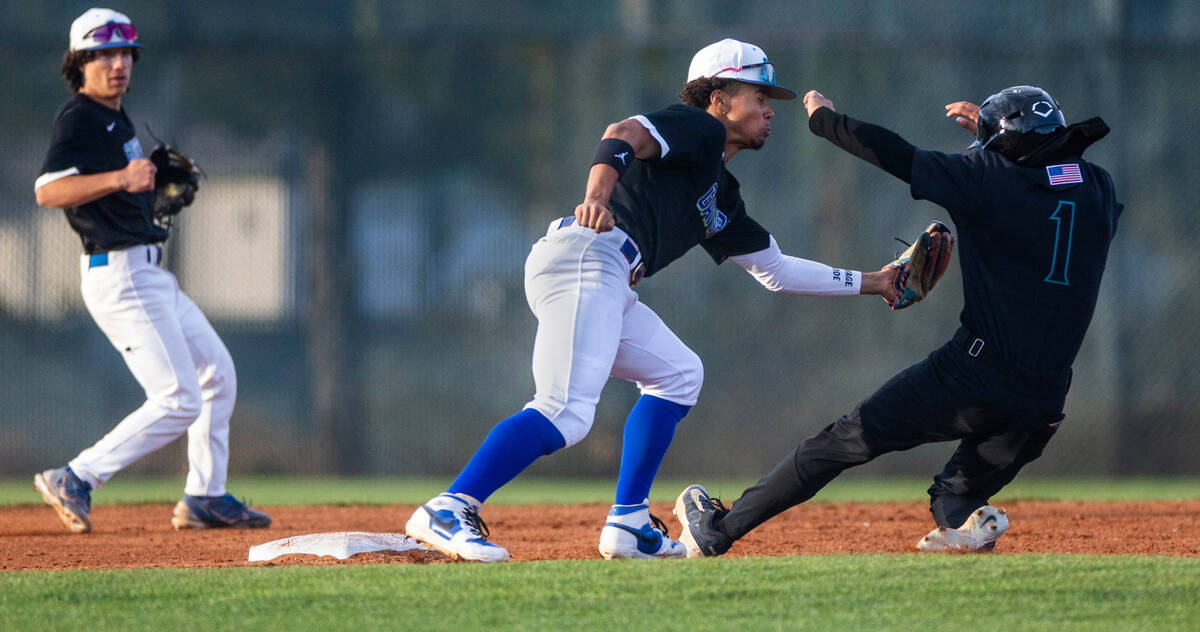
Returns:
(96,172)
(657,187)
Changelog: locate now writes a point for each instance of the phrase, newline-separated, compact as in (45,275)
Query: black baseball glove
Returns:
(175,182)
(920,267)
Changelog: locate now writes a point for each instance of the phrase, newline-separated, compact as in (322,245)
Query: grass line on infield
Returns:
(525,491)
(838,592)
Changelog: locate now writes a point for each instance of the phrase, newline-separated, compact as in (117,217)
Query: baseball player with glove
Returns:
(657,187)
(112,195)
(1035,222)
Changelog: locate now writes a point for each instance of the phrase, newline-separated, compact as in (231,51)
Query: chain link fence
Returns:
(378,170)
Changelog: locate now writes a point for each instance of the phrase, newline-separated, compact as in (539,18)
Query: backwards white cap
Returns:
(731,59)
(84,35)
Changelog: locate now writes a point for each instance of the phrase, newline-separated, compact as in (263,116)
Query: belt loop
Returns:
(976,347)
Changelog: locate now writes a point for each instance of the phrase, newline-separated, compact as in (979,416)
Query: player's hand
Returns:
(137,176)
(882,283)
(814,101)
(595,216)
(967,115)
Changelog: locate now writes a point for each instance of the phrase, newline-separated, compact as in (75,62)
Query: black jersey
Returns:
(92,138)
(1033,242)
(686,196)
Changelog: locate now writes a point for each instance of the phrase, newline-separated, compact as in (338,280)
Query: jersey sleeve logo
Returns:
(1064,174)
(714,220)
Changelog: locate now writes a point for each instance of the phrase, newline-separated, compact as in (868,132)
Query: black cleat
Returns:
(696,513)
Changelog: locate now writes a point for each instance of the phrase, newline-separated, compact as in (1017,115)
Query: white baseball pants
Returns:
(591,325)
(173,352)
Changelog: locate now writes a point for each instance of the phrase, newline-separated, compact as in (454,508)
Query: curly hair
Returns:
(697,92)
(74,60)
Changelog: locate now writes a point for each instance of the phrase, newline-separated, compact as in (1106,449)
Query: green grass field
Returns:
(837,592)
(384,491)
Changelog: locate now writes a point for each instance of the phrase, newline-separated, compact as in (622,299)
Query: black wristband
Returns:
(614,152)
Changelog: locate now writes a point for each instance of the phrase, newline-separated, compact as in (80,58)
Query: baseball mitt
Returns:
(175,182)
(920,267)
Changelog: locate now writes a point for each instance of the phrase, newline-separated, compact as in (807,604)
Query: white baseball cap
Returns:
(731,59)
(102,28)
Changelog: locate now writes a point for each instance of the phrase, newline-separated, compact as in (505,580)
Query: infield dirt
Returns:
(141,536)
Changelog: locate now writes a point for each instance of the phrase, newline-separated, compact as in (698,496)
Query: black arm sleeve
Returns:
(881,147)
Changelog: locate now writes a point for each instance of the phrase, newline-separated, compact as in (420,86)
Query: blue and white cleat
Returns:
(70,497)
(451,524)
(633,532)
(211,512)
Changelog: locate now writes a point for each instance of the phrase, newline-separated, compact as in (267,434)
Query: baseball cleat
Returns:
(451,524)
(633,532)
(70,497)
(212,512)
(979,533)
(696,511)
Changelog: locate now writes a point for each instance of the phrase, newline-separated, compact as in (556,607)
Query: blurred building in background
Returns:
(377,170)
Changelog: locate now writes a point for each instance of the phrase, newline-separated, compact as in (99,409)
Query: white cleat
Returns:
(979,533)
(451,524)
(633,532)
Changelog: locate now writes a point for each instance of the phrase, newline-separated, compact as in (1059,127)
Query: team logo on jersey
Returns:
(133,149)
(714,220)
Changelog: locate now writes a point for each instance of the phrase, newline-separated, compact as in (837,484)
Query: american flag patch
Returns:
(1064,174)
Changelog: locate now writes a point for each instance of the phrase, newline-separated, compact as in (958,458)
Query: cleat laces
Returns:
(715,504)
(475,523)
(659,524)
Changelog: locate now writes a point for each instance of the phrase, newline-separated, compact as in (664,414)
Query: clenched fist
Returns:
(137,176)
(814,101)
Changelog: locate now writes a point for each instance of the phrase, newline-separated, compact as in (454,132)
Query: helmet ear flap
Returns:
(987,125)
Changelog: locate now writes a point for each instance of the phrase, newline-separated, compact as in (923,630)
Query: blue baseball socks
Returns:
(648,433)
(512,445)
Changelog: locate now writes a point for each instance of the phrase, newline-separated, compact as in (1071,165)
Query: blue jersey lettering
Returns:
(714,220)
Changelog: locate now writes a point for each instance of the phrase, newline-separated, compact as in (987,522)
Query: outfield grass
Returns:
(875,592)
(523,491)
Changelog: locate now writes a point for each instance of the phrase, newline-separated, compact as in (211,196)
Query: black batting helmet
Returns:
(1009,119)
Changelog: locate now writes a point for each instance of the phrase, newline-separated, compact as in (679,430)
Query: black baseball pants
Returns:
(1002,416)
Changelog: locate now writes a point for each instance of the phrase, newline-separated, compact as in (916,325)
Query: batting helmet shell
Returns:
(1007,117)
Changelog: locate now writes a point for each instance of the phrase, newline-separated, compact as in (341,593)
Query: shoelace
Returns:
(475,523)
(659,524)
(715,504)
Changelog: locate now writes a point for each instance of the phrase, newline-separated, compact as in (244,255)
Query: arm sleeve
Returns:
(783,273)
(881,147)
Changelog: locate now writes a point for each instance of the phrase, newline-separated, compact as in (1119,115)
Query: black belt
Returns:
(153,255)
(977,349)
(637,267)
